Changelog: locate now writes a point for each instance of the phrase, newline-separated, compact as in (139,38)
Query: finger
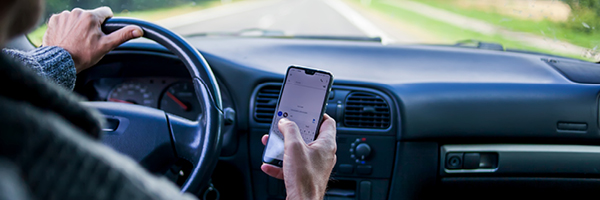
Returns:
(103,13)
(77,11)
(327,132)
(53,19)
(273,171)
(121,36)
(264,139)
(291,134)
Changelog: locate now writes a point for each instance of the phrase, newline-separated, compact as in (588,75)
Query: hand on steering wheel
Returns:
(78,33)
(149,135)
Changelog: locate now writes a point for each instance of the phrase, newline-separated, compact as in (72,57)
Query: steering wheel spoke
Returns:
(140,132)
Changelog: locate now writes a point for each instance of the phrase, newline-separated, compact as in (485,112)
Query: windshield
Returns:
(558,27)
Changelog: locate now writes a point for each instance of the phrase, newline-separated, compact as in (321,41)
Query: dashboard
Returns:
(173,95)
(411,119)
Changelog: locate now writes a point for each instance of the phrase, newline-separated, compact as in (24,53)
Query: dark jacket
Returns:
(48,141)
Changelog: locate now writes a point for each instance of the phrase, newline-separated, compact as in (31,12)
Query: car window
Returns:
(558,27)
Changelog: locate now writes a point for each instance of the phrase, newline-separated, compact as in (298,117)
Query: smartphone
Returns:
(302,99)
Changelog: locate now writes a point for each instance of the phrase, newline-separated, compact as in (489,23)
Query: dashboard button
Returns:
(346,168)
(454,160)
(471,160)
(365,190)
(363,151)
(364,169)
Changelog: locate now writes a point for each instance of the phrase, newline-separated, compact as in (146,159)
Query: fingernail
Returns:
(137,33)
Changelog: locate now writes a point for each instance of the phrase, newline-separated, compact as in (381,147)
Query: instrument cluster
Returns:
(173,95)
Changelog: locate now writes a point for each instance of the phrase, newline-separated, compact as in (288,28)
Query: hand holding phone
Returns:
(302,100)
(301,146)
(306,168)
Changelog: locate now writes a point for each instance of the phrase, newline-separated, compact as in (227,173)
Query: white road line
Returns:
(359,21)
(212,13)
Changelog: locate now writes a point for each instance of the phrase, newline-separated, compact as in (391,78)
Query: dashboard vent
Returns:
(366,110)
(265,103)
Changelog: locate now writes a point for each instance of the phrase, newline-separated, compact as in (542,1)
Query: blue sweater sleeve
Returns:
(53,63)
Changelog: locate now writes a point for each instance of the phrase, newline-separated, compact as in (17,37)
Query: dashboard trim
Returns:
(340,126)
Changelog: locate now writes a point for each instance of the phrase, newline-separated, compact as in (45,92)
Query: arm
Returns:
(53,63)
(57,161)
(12,186)
(73,43)
(306,167)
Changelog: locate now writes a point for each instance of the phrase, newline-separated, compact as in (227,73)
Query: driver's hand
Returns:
(79,33)
(306,167)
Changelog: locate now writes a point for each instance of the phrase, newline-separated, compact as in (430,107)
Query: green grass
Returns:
(546,28)
(450,34)
(37,35)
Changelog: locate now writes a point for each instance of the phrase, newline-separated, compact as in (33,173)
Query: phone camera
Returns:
(310,71)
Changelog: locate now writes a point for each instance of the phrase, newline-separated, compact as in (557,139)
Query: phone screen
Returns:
(302,101)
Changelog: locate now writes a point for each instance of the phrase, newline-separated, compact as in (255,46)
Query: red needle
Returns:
(119,100)
(177,101)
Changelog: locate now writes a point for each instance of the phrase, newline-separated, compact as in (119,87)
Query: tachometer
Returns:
(132,93)
(180,99)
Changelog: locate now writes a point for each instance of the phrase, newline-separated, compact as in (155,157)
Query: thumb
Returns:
(121,36)
(291,133)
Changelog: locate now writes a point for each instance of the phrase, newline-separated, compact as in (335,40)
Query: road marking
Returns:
(359,21)
(212,13)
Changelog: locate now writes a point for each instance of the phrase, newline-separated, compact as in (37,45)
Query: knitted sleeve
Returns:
(52,63)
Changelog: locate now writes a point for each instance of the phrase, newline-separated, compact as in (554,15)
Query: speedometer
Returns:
(132,93)
(180,99)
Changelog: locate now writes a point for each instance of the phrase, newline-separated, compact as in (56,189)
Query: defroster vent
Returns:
(265,103)
(366,110)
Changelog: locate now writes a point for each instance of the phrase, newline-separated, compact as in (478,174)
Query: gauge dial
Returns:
(180,99)
(132,93)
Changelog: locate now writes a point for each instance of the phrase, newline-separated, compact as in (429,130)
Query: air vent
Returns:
(265,103)
(366,110)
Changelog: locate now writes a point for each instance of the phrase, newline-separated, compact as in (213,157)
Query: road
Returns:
(295,17)
(343,18)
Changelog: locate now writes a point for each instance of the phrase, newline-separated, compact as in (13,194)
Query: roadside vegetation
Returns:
(118,6)
(451,34)
(578,25)
(151,10)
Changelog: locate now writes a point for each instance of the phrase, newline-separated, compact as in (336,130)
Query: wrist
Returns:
(305,195)
(309,190)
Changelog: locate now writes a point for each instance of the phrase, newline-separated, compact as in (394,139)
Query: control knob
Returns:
(362,151)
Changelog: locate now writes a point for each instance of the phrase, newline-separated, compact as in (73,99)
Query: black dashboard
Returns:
(406,114)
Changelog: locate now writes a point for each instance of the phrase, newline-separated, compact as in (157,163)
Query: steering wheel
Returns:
(160,141)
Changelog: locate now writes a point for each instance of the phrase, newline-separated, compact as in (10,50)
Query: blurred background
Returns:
(559,27)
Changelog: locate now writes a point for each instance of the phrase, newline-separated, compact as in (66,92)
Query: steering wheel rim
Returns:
(198,142)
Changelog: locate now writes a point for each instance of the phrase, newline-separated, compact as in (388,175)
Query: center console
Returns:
(366,142)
